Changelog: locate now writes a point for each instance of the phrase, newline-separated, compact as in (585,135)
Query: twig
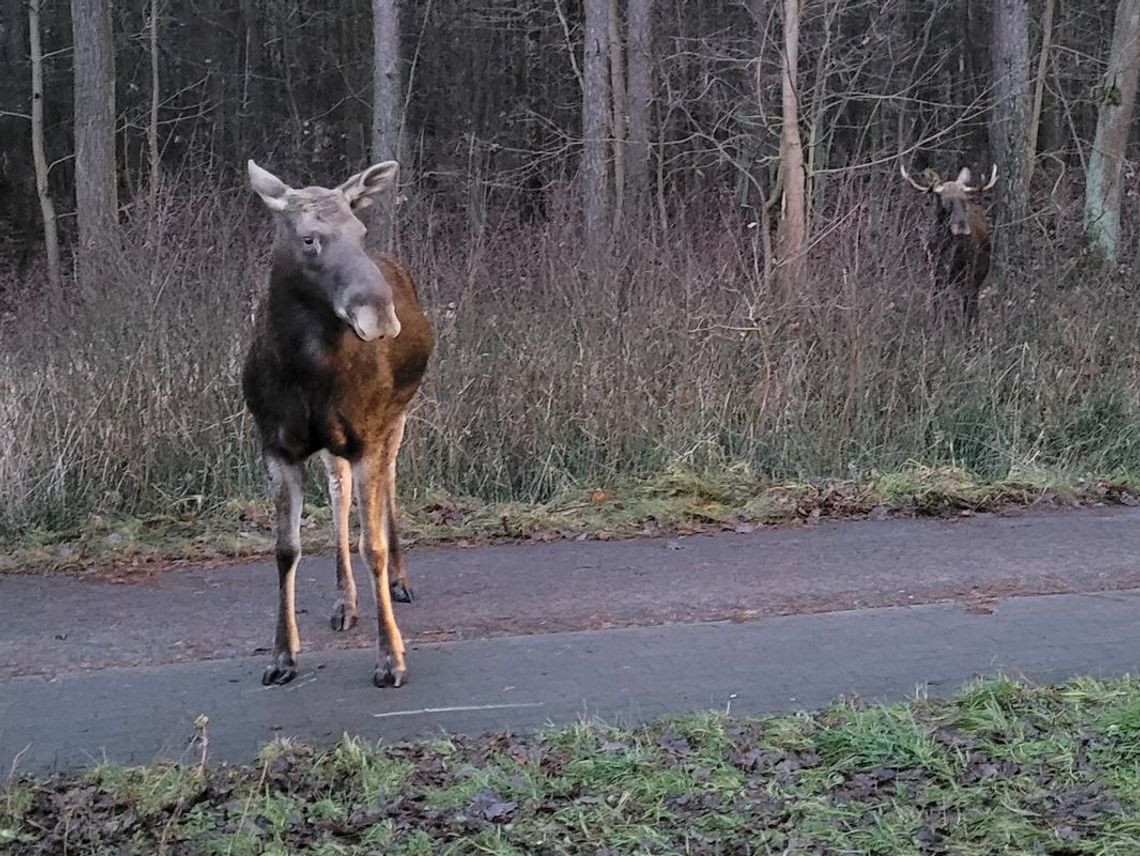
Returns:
(16,762)
(202,738)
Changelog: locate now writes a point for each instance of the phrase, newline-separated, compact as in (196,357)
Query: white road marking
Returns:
(458,709)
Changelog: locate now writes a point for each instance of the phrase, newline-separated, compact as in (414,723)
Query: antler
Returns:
(988,184)
(919,187)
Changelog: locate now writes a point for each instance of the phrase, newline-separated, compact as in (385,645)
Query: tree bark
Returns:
(96,183)
(1039,90)
(1009,123)
(595,106)
(47,208)
(617,89)
(1106,160)
(253,102)
(386,98)
(640,85)
(387,104)
(152,125)
(791,237)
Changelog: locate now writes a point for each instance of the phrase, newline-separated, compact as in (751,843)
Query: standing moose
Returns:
(959,245)
(340,347)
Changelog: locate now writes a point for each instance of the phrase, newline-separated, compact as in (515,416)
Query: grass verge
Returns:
(1002,768)
(675,503)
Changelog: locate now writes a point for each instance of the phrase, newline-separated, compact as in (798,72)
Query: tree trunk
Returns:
(1039,90)
(1010,122)
(617,89)
(152,125)
(253,102)
(386,97)
(595,106)
(1106,160)
(47,208)
(387,103)
(640,83)
(791,238)
(96,189)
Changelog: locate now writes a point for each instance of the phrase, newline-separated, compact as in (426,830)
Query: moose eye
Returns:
(309,241)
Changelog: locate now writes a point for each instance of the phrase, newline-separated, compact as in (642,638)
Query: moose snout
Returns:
(371,321)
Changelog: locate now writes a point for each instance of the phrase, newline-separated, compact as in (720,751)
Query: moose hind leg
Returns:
(372,478)
(339,473)
(401,588)
(285,482)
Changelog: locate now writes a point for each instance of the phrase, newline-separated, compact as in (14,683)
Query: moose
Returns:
(340,347)
(959,244)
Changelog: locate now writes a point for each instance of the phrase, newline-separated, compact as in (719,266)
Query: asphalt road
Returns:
(515,637)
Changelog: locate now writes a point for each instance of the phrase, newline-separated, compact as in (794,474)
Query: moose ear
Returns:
(963,176)
(360,189)
(272,190)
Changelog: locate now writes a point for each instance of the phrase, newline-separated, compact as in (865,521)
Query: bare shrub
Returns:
(670,354)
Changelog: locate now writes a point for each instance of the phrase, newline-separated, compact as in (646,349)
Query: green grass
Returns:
(1001,768)
(676,502)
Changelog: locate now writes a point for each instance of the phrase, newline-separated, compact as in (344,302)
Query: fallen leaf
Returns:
(490,806)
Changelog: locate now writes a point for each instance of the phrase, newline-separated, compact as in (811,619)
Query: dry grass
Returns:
(1000,768)
(556,373)
(670,504)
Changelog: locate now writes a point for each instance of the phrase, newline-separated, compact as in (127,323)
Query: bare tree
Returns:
(96,182)
(1106,161)
(640,83)
(387,102)
(595,110)
(1039,89)
(152,125)
(617,89)
(1009,124)
(386,96)
(791,238)
(47,208)
(253,57)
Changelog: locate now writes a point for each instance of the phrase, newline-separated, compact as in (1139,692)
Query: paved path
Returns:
(54,624)
(549,632)
(517,683)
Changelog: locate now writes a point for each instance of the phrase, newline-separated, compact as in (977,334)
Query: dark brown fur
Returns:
(959,242)
(312,384)
(961,262)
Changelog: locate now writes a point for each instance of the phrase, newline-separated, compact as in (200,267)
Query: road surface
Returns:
(518,636)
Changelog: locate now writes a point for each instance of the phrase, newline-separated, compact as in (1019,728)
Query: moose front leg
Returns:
(285,484)
(340,495)
(371,477)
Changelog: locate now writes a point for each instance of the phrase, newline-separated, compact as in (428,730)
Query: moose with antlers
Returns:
(959,245)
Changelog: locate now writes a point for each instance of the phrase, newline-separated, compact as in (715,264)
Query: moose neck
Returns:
(299,310)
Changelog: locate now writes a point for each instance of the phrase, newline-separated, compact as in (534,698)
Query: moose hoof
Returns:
(387,675)
(280,671)
(342,617)
(401,593)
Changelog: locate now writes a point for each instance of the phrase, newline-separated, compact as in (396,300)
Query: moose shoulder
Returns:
(959,244)
(339,349)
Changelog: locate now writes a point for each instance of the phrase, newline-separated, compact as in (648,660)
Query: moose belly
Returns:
(296,439)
